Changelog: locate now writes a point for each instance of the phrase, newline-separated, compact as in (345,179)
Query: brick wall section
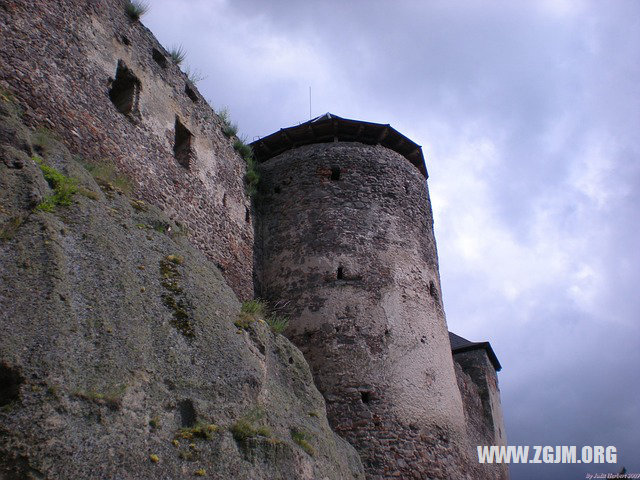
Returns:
(60,59)
(356,258)
(478,383)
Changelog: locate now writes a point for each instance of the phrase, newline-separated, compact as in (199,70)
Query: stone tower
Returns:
(344,238)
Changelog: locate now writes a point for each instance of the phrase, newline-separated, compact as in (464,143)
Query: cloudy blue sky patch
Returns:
(529,116)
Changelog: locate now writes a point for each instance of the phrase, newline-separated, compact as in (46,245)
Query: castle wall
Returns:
(345,236)
(478,384)
(61,59)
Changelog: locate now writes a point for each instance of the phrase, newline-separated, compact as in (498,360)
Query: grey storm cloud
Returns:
(528,113)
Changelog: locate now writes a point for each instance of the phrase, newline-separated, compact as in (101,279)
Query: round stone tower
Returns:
(344,239)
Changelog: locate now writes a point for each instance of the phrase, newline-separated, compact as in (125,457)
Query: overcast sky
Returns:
(529,118)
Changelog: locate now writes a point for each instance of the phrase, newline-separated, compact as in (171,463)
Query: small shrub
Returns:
(223,113)
(277,323)
(302,439)
(243,429)
(194,75)
(250,311)
(245,151)
(252,177)
(229,128)
(178,54)
(154,458)
(112,398)
(244,321)
(201,430)
(136,9)
(176,259)
(255,307)
(64,188)
(201,472)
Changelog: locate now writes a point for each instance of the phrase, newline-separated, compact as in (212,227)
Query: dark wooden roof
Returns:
(459,345)
(330,128)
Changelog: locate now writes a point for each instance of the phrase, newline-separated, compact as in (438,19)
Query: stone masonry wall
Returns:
(344,234)
(478,383)
(106,86)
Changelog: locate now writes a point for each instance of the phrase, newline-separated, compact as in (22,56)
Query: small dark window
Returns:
(159,58)
(335,173)
(187,413)
(247,215)
(191,93)
(10,381)
(365,396)
(276,189)
(433,291)
(182,149)
(125,40)
(340,274)
(125,90)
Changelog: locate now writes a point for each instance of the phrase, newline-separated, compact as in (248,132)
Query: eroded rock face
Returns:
(119,355)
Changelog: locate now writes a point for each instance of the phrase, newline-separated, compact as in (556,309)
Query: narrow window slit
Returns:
(365,396)
(340,273)
(10,381)
(190,93)
(335,173)
(187,413)
(247,215)
(433,291)
(182,148)
(125,90)
(159,58)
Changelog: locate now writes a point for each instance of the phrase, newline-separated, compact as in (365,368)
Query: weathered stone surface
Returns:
(60,59)
(345,235)
(478,384)
(98,376)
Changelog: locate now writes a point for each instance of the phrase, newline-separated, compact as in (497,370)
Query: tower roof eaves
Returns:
(328,128)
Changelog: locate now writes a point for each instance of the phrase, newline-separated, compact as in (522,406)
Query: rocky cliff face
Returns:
(119,356)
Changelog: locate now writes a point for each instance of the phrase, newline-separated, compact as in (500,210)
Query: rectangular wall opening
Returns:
(125,90)
(182,148)
(191,93)
(159,58)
